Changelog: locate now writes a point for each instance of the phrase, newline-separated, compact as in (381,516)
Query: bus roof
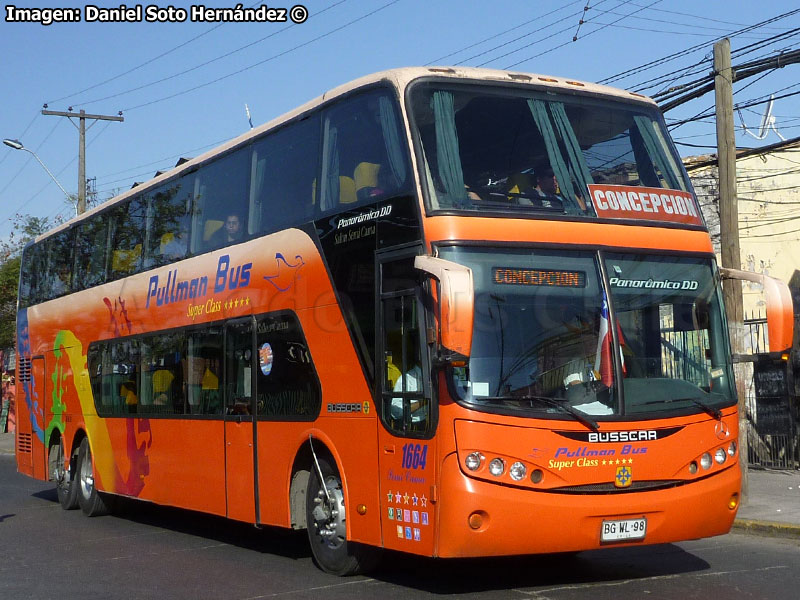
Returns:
(400,78)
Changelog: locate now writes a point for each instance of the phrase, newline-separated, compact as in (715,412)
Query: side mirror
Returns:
(456,305)
(780,313)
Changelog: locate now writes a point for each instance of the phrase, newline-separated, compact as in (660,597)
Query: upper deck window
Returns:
(502,149)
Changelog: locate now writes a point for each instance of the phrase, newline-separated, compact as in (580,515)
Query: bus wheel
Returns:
(92,502)
(327,527)
(66,488)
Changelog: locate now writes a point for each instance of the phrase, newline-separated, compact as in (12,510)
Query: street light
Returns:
(17,145)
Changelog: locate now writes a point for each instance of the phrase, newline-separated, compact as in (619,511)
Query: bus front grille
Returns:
(610,488)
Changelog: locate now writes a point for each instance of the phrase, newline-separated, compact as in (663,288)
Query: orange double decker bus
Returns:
(451,312)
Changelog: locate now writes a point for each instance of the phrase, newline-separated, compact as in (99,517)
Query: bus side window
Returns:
(404,391)
(286,381)
(283,171)
(61,248)
(168,224)
(162,376)
(221,191)
(127,237)
(201,371)
(365,161)
(91,245)
(239,368)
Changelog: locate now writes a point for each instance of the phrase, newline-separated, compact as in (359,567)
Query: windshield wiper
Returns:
(714,412)
(579,416)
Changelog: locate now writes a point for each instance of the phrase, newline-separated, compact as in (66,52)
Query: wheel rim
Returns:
(57,471)
(86,477)
(329,516)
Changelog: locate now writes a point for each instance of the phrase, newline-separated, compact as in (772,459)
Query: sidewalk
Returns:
(6,443)
(773,506)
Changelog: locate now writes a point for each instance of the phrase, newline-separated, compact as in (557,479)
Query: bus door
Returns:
(407,449)
(240,436)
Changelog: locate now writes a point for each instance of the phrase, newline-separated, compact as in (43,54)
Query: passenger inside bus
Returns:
(411,381)
(129,397)
(173,245)
(61,280)
(229,233)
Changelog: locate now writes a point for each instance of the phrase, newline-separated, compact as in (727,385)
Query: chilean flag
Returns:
(603,365)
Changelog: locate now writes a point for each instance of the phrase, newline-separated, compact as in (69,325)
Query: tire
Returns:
(66,488)
(92,502)
(327,526)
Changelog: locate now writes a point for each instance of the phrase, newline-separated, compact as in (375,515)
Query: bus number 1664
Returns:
(415,456)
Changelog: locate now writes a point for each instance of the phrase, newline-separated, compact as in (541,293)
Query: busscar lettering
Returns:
(344,407)
(624,436)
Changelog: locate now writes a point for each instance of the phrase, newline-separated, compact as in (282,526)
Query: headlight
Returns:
(497,467)
(732,448)
(518,471)
(474,461)
(720,456)
(705,461)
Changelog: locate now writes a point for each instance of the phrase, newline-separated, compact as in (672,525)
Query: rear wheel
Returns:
(93,503)
(327,526)
(66,487)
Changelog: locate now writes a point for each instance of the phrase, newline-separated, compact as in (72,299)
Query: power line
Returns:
(584,37)
(675,55)
(266,60)
(30,157)
(139,66)
(497,35)
(204,64)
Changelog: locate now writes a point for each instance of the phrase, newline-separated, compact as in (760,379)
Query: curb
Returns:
(766,528)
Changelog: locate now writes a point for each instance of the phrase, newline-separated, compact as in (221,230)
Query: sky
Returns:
(182,86)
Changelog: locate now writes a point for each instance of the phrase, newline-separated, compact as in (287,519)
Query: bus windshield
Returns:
(502,149)
(543,339)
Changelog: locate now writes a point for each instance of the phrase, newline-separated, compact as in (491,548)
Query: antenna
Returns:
(767,122)
(249,118)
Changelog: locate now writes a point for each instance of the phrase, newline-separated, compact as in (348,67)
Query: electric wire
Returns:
(266,60)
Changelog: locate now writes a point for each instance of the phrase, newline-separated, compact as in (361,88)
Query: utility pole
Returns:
(82,116)
(729,230)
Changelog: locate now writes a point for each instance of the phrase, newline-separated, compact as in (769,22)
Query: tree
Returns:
(9,278)
(25,228)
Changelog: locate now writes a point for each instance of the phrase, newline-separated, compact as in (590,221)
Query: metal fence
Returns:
(772,443)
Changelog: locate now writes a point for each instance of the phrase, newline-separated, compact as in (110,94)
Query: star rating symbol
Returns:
(414,499)
(423,501)
(237,302)
(406,499)
(397,497)
(389,496)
